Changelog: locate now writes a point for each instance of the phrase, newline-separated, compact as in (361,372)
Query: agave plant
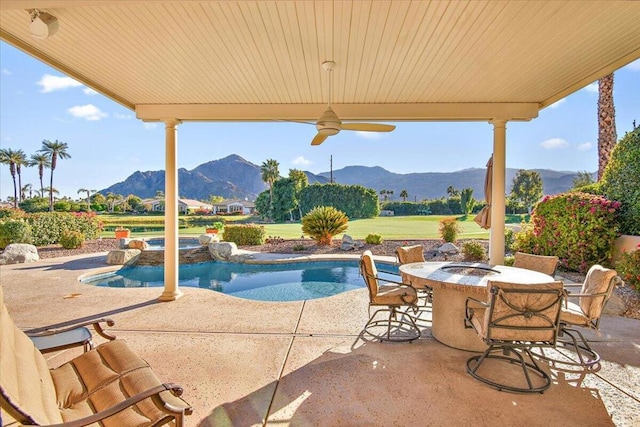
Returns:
(324,222)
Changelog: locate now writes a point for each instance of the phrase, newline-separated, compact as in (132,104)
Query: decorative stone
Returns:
(448,249)
(123,243)
(347,243)
(222,251)
(615,306)
(138,244)
(205,239)
(17,253)
(123,256)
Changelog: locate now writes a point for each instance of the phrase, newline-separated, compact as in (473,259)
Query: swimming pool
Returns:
(293,281)
(157,243)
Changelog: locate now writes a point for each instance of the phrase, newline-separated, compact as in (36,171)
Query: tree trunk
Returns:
(607,135)
(15,191)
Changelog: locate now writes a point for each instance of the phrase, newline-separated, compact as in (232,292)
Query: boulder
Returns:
(348,244)
(17,253)
(615,306)
(123,256)
(205,239)
(138,244)
(448,249)
(222,251)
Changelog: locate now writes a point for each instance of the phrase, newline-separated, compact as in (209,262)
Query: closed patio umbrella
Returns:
(484,216)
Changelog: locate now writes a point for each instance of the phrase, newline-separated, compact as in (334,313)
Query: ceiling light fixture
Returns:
(43,25)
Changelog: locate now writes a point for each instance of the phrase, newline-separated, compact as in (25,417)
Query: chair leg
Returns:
(513,356)
(586,356)
(394,322)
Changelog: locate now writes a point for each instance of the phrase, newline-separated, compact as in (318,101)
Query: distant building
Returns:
(232,206)
(185,206)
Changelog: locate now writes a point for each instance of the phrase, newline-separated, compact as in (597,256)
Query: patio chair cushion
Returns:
(393,295)
(573,314)
(541,263)
(598,280)
(409,254)
(370,274)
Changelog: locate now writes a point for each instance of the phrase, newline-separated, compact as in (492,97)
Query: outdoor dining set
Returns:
(508,316)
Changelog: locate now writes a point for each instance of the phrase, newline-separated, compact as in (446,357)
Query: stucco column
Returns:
(496,235)
(171,264)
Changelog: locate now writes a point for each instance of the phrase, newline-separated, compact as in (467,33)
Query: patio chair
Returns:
(515,317)
(585,313)
(109,385)
(394,298)
(540,263)
(50,340)
(415,253)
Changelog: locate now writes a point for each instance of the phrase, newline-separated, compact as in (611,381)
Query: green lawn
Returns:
(401,227)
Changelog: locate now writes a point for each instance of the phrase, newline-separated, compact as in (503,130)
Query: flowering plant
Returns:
(628,267)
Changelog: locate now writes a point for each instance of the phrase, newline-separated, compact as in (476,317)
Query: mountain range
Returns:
(233,177)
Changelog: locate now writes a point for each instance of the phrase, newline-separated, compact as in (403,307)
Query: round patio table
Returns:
(452,283)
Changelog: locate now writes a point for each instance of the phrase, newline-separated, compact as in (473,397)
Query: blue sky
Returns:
(107,143)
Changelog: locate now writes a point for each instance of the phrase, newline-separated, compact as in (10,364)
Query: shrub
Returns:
(579,228)
(373,239)
(628,267)
(244,234)
(355,201)
(449,229)
(14,231)
(298,247)
(509,239)
(71,239)
(324,222)
(10,213)
(509,260)
(621,181)
(47,227)
(473,251)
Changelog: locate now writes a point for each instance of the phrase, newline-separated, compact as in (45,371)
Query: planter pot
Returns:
(625,243)
(122,234)
(212,231)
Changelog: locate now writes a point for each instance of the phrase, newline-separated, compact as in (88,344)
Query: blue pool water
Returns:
(157,243)
(263,282)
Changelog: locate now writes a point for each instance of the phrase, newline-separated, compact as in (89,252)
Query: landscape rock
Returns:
(222,251)
(348,244)
(205,239)
(138,244)
(123,256)
(615,306)
(448,249)
(17,253)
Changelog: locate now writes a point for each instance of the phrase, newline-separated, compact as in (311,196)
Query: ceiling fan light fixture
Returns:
(43,25)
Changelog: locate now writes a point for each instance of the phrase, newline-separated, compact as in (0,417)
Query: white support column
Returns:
(496,236)
(171,263)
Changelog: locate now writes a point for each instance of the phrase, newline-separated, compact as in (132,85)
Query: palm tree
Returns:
(21,161)
(270,174)
(12,157)
(56,149)
(404,195)
(23,191)
(607,135)
(42,161)
(112,198)
(84,190)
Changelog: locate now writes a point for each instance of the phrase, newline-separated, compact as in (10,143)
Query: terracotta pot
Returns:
(122,234)
(212,231)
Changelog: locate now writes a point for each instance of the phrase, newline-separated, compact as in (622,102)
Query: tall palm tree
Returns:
(607,135)
(21,160)
(23,191)
(42,161)
(404,195)
(56,149)
(84,190)
(12,157)
(270,174)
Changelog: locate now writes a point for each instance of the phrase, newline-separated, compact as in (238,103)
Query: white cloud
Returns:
(553,143)
(558,103)
(122,116)
(88,112)
(585,146)
(149,126)
(51,83)
(369,135)
(89,91)
(634,66)
(301,161)
(593,87)
(6,72)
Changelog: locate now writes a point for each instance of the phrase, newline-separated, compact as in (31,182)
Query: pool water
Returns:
(263,282)
(157,243)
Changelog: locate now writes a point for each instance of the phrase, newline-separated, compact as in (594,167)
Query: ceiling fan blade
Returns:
(319,139)
(368,127)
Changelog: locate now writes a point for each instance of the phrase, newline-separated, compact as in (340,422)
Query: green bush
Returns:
(578,228)
(47,227)
(509,239)
(621,181)
(244,234)
(10,213)
(628,267)
(14,231)
(355,201)
(473,251)
(449,229)
(71,239)
(509,260)
(324,222)
(373,239)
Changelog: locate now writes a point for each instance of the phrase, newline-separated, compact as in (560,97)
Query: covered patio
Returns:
(250,363)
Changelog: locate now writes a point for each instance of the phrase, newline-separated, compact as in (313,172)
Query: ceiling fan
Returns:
(330,124)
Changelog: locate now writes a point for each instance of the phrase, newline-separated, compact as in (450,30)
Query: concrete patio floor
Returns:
(249,363)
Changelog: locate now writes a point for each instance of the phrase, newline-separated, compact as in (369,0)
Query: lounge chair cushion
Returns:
(541,263)
(409,254)
(598,280)
(394,295)
(573,314)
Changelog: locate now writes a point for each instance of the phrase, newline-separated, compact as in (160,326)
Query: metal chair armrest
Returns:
(468,311)
(121,406)
(95,323)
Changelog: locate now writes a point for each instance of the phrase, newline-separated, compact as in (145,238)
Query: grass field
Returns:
(400,227)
